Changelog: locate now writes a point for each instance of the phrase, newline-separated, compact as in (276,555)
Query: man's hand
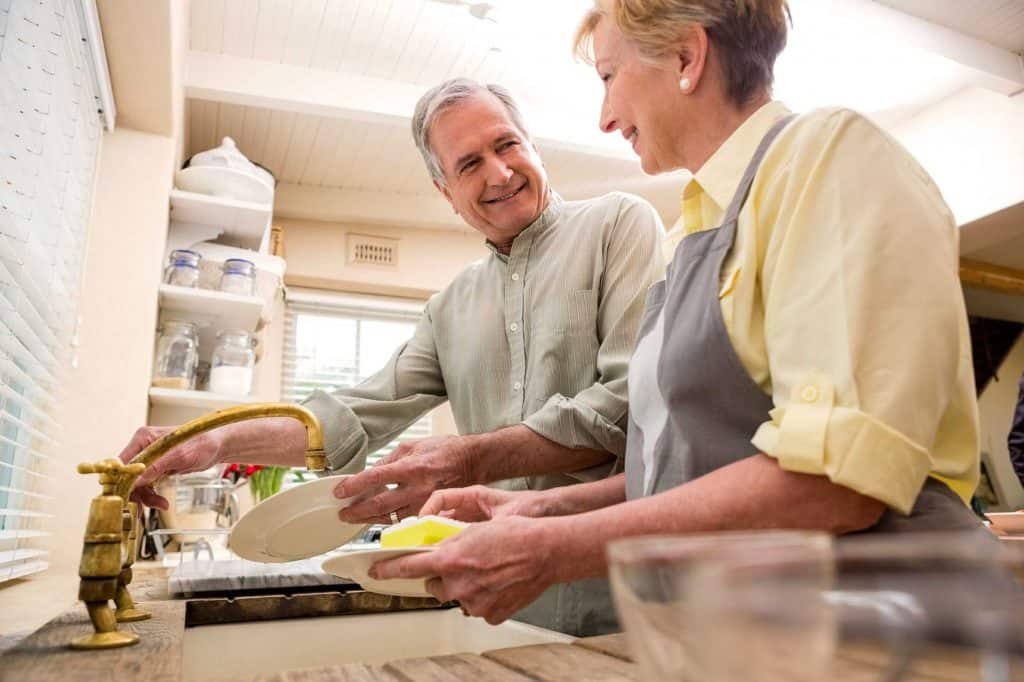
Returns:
(196,454)
(417,468)
(492,569)
(480,503)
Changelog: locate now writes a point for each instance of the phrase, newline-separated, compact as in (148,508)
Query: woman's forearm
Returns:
(585,497)
(754,493)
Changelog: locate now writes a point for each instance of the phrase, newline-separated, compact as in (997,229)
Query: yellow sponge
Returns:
(418,531)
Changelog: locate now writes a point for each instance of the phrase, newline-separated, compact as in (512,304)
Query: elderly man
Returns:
(530,345)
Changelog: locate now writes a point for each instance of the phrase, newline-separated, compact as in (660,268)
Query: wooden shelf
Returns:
(173,397)
(244,223)
(220,310)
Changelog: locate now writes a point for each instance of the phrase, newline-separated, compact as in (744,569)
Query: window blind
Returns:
(338,341)
(50,131)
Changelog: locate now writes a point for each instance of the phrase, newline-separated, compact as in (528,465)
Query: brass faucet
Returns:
(112,531)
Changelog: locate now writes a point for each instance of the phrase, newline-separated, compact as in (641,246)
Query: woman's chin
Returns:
(649,165)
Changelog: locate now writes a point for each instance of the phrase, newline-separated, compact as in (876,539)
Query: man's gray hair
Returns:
(445,96)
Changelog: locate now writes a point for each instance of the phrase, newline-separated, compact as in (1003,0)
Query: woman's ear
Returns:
(692,53)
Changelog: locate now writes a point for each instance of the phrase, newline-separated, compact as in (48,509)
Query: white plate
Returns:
(299,523)
(224,182)
(1008,522)
(356,565)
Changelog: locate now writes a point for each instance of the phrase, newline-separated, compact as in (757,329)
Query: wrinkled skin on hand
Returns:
(480,503)
(196,454)
(416,469)
(493,569)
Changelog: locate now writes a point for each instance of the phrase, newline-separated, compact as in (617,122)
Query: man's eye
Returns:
(507,145)
(468,167)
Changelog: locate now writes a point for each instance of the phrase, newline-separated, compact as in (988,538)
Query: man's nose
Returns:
(498,172)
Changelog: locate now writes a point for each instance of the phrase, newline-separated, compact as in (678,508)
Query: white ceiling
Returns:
(320,91)
(998,22)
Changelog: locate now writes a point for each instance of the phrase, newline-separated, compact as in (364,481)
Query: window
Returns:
(50,131)
(336,341)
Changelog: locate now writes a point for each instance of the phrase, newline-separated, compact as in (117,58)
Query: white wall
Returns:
(428,259)
(972,144)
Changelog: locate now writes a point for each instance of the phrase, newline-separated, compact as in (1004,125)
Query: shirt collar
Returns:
(720,176)
(546,220)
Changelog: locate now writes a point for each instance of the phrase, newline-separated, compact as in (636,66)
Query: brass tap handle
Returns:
(111,466)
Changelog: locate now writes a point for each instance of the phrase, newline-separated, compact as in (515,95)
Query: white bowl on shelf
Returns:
(224,182)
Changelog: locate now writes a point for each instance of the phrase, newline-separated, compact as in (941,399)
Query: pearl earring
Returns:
(684,84)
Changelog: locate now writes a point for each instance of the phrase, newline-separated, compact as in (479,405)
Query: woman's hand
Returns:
(480,503)
(492,569)
(196,454)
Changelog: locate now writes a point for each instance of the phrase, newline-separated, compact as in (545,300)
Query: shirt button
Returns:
(809,394)
(514,326)
(517,386)
(515,276)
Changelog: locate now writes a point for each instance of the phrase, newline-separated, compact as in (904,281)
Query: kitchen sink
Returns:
(243,650)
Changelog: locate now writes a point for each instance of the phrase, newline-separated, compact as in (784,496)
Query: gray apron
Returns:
(693,407)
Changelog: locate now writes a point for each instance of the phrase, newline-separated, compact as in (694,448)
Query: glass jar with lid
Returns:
(183,268)
(238,276)
(177,354)
(231,367)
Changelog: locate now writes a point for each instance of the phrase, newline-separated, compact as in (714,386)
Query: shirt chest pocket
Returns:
(572,313)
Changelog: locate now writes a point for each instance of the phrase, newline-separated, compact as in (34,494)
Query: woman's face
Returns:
(641,99)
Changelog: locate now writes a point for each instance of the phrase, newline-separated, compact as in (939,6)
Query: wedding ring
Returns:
(394,517)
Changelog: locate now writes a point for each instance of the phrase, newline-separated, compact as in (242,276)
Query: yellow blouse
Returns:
(842,299)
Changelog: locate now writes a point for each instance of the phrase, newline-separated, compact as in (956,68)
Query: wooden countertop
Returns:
(44,657)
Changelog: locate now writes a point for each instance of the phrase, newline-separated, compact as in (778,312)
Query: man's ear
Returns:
(443,189)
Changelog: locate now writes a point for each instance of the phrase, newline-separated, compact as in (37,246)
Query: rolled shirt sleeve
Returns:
(596,416)
(360,420)
(864,318)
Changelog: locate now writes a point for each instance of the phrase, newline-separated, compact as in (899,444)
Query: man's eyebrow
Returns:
(463,159)
(504,137)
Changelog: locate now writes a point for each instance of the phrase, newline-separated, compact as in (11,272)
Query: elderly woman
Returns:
(806,362)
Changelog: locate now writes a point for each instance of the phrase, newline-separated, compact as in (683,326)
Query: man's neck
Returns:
(505,248)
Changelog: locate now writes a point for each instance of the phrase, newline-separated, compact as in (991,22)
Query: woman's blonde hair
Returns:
(748,34)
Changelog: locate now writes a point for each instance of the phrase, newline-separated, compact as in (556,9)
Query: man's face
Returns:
(493,176)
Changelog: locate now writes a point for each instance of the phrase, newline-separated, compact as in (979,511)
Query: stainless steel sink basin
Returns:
(243,650)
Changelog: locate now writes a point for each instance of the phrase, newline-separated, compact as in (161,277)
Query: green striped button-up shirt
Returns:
(540,337)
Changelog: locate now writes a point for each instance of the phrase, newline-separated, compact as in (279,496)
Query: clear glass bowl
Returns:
(669,596)
(774,606)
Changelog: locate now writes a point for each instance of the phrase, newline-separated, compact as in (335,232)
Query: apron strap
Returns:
(743,190)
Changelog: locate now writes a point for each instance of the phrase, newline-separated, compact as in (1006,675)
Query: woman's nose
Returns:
(607,122)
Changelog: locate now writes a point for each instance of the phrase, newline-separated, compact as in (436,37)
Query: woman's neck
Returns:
(722,119)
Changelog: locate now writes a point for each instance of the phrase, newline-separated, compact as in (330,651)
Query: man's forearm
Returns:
(519,451)
(754,493)
(272,441)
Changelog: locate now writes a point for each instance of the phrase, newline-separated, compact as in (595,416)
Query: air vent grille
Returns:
(377,251)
